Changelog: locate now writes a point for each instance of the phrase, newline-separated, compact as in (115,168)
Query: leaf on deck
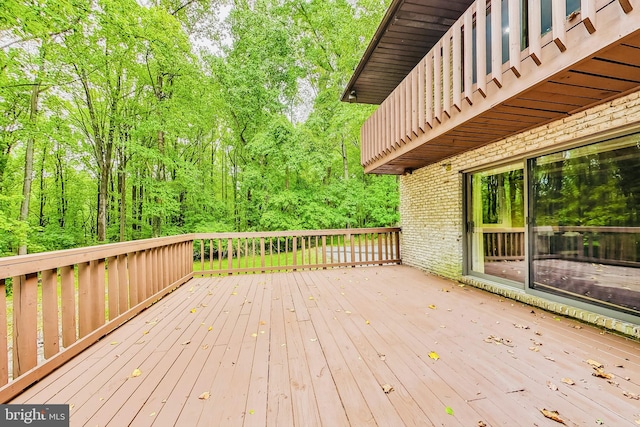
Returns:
(204,396)
(600,373)
(136,373)
(552,386)
(520,326)
(594,364)
(481,424)
(568,381)
(434,355)
(387,388)
(448,410)
(631,395)
(193,310)
(552,415)
(432,306)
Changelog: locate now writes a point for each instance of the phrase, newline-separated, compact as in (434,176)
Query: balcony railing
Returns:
(61,302)
(463,93)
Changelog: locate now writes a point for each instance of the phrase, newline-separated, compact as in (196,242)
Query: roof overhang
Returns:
(409,29)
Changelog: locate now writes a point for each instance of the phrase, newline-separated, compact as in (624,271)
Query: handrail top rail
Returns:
(292,233)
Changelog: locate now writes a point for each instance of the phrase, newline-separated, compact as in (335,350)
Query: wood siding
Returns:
(585,60)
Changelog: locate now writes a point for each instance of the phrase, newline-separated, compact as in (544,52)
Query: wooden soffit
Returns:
(409,29)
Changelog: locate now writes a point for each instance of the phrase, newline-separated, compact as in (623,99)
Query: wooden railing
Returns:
(64,301)
(452,84)
(56,304)
(503,244)
(602,245)
(228,253)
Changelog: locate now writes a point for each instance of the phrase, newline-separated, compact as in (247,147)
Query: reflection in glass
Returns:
(497,223)
(585,233)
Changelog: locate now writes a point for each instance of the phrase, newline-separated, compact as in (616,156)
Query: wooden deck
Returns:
(315,348)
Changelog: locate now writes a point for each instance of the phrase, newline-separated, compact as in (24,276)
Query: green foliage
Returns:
(140,134)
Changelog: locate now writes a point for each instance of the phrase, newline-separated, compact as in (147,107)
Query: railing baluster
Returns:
(262,258)
(132,260)
(437,81)
(535,30)
(4,356)
(588,14)
(415,99)
(558,18)
(626,5)
(229,255)
(456,32)
(97,295)
(430,89)
(25,323)
(112,287)
(123,288)
(84,299)
(67,282)
(446,73)
(514,36)
(496,42)
(422,118)
(399,106)
(468,56)
(50,332)
(481,47)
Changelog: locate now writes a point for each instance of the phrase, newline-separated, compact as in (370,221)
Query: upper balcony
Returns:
(532,66)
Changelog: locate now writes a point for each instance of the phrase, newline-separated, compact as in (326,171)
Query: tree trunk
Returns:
(28,159)
(345,164)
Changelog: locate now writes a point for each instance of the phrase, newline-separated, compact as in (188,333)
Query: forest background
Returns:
(124,119)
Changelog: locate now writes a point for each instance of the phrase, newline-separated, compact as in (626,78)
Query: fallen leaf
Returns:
(550,358)
(520,326)
(262,322)
(631,395)
(534,349)
(638,422)
(445,290)
(313,339)
(254,335)
(186,342)
(577,327)
(434,355)
(448,410)
(114,342)
(145,332)
(347,312)
(552,386)
(234,293)
(204,396)
(210,328)
(600,373)
(136,373)
(206,346)
(193,310)
(367,322)
(599,422)
(568,381)
(251,412)
(482,424)
(387,388)
(552,415)
(311,298)
(538,333)
(153,414)
(382,356)
(432,307)
(595,364)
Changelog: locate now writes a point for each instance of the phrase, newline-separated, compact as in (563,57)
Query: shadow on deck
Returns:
(315,348)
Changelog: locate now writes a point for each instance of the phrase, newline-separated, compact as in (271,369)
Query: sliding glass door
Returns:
(496,223)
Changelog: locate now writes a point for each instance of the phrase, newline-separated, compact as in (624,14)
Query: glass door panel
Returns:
(496,223)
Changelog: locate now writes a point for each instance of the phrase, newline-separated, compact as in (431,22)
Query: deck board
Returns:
(315,347)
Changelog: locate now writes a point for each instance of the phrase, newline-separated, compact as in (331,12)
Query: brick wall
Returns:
(431,197)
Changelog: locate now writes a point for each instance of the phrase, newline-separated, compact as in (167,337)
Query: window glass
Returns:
(585,222)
